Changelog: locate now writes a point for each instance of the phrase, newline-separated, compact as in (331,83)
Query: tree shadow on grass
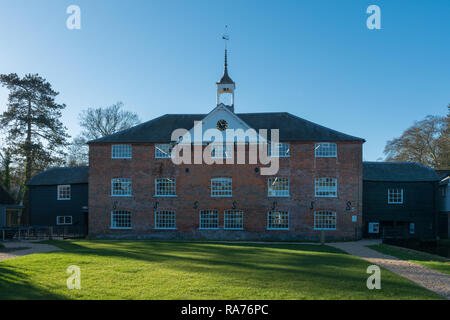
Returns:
(16,285)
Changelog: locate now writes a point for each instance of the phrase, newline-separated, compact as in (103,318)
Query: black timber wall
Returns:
(419,206)
(45,206)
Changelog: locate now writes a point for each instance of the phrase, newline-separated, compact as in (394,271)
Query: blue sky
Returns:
(315,59)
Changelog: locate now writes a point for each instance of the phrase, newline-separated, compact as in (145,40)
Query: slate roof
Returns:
(292,128)
(60,175)
(398,172)
(5,198)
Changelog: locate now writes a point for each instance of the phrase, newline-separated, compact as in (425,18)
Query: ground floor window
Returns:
(233,220)
(278,220)
(374,227)
(165,219)
(120,219)
(63,220)
(209,219)
(325,220)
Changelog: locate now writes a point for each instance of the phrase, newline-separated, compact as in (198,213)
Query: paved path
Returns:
(430,279)
(21,248)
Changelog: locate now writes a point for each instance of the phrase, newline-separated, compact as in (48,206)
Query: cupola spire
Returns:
(226,84)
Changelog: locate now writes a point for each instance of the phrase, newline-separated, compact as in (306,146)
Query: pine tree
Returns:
(36,136)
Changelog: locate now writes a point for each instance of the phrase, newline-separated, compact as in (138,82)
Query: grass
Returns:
(431,261)
(188,270)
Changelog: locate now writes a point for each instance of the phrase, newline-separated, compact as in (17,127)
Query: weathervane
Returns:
(226,36)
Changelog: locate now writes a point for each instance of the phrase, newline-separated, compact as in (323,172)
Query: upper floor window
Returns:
(326,187)
(165,187)
(163,151)
(233,219)
(120,219)
(395,196)
(278,220)
(325,220)
(209,219)
(220,152)
(165,219)
(278,187)
(221,187)
(63,220)
(281,150)
(121,187)
(326,150)
(121,151)
(64,192)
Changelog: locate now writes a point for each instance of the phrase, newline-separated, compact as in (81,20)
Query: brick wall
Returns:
(249,194)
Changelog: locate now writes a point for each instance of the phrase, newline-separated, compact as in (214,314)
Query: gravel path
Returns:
(22,248)
(432,280)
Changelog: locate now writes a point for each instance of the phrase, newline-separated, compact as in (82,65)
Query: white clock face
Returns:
(222,125)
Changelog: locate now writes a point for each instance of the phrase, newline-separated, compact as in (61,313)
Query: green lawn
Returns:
(187,270)
(433,262)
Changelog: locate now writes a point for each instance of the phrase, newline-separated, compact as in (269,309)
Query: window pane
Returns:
(278,187)
(325,150)
(163,151)
(209,219)
(121,219)
(165,187)
(121,151)
(64,192)
(278,220)
(325,220)
(234,219)
(165,219)
(281,150)
(395,196)
(221,187)
(326,187)
(121,187)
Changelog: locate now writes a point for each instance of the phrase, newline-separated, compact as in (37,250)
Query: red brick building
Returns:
(135,190)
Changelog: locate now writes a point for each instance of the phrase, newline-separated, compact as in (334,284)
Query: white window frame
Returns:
(121,191)
(282,150)
(123,216)
(170,187)
(326,187)
(273,183)
(374,227)
(221,187)
(319,220)
(163,220)
(230,223)
(121,151)
(325,150)
(59,192)
(281,215)
(395,194)
(65,223)
(209,219)
(163,151)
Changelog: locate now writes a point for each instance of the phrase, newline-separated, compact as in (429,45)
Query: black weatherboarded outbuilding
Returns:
(399,200)
(59,198)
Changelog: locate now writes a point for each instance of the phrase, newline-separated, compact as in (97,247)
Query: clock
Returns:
(222,125)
